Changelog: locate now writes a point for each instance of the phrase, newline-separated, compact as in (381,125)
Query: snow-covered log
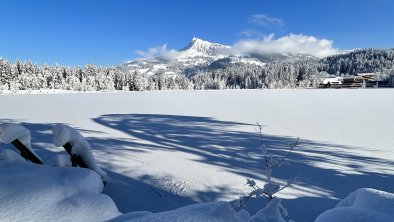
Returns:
(63,135)
(20,137)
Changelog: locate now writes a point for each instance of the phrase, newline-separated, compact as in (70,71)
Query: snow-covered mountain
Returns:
(200,55)
(200,48)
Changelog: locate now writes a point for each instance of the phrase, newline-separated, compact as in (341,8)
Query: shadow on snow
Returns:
(329,171)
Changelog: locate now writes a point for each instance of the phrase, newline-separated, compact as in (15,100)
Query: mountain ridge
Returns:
(199,54)
(197,45)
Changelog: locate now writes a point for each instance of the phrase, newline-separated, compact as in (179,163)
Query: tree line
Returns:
(278,74)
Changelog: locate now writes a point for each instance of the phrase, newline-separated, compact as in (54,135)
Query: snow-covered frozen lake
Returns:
(163,150)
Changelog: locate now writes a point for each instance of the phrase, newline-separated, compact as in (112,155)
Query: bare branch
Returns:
(244,200)
(294,180)
(268,191)
(262,145)
(287,155)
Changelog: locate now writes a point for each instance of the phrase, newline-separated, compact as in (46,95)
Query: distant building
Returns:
(332,81)
(361,80)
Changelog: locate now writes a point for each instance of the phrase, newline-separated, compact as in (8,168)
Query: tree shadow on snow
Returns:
(142,193)
(328,171)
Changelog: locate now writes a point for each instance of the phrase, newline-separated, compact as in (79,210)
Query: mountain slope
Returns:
(197,55)
(199,47)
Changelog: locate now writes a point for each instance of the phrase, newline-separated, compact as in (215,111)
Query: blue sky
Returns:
(108,32)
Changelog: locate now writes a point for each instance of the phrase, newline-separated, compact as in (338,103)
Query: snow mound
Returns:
(273,212)
(10,155)
(63,134)
(363,205)
(31,192)
(10,132)
(207,212)
(215,211)
(61,160)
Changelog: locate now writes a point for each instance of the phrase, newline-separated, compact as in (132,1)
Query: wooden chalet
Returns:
(360,80)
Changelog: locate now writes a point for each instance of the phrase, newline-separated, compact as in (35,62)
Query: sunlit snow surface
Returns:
(164,150)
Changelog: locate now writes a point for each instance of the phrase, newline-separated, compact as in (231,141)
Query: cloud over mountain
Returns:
(159,51)
(290,44)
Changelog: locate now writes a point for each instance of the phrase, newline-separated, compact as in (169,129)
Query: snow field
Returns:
(171,149)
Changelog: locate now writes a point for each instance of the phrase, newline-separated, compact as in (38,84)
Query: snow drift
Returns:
(207,212)
(31,192)
(363,205)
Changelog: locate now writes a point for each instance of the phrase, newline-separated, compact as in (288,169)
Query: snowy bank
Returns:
(207,212)
(31,192)
(363,205)
(216,211)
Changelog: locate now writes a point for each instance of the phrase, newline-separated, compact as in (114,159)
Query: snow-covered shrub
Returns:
(271,187)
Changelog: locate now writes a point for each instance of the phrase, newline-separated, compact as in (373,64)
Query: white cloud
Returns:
(266,21)
(292,44)
(251,33)
(159,51)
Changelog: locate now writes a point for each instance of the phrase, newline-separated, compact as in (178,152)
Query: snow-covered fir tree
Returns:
(198,72)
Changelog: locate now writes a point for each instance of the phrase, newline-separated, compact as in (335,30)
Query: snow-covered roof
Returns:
(332,80)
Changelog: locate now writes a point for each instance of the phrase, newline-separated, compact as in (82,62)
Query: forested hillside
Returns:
(223,73)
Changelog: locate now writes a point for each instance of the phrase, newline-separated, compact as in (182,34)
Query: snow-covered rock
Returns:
(363,205)
(63,134)
(31,192)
